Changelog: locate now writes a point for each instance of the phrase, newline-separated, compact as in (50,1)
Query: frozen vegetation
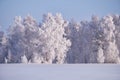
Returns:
(57,41)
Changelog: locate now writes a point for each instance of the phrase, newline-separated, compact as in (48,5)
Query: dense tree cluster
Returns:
(58,41)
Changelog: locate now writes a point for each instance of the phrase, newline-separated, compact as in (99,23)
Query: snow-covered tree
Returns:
(73,33)
(86,41)
(56,40)
(96,54)
(31,36)
(3,48)
(116,20)
(111,52)
(22,37)
(55,43)
(16,46)
(48,40)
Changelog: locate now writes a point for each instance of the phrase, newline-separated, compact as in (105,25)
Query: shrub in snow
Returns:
(24,59)
(35,58)
(6,61)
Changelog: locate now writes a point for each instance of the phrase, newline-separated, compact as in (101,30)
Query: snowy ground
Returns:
(60,72)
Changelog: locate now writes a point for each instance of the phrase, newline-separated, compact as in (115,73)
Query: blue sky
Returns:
(77,9)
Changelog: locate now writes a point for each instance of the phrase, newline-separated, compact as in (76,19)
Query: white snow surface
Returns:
(60,72)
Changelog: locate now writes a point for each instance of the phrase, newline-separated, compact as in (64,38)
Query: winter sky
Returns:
(77,9)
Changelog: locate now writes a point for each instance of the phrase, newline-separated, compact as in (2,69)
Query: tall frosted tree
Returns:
(55,43)
(73,33)
(3,48)
(31,36)
(116,20)
(23,37)
(95,52)
(111,52)
(16,40)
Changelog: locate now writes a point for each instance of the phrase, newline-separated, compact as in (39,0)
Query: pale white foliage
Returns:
(110,49)
(35,58)
(116,20)
(100,56)
(6,60)
(24,59)
(56,45)
(56,40)
(73,33)
(3,42)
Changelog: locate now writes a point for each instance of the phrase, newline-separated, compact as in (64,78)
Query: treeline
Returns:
(57,41)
